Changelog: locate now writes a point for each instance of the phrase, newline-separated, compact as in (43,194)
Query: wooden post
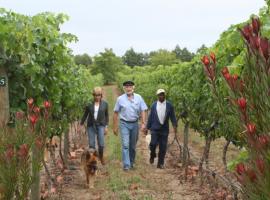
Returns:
(4,97)
(66,147)
(186,151)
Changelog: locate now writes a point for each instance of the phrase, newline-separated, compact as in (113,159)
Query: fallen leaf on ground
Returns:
(133,186)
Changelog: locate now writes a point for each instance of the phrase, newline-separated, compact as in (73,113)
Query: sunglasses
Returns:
(97,95)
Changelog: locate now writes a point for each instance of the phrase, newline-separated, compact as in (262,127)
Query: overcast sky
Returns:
(144,25)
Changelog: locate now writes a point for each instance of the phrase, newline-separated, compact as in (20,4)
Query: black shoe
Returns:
(151,160)
(160,166)
(132,167)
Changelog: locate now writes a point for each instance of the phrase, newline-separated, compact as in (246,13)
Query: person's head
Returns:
(129,87)
(97,94)
(161,95)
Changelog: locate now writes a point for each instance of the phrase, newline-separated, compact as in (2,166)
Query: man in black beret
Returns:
(129,107)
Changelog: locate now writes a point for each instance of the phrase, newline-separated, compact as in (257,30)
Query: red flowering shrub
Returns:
(250,100)
(21,150)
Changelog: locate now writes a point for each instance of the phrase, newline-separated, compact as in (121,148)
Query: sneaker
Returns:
(160,166)
(151,160)
(126,169)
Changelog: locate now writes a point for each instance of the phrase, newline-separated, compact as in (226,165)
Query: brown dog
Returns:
(89,165)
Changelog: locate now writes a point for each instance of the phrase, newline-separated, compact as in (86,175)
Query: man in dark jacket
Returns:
(158,123)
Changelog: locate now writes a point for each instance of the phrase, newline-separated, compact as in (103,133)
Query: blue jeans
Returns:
(129,137)
(94,131)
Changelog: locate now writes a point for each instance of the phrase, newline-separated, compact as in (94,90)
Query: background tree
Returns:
(163,57)
(83,59)
(146,59)
(132,58)
(183,54)
(202,50)
(107,63)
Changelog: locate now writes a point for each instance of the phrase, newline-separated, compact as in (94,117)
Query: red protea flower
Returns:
(260,164)
(213,57)
(205,60)
(242,103)
(264,47)
(240,168)
(36,110)
(23,151)
(246,32)
(256,26)
(47,104)
(235,77)
(251,128)
(30,102)
(33,119)
(19,115)
(225,70)
(227,77)
(263,140)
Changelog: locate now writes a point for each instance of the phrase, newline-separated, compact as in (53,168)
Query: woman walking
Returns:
(97,116)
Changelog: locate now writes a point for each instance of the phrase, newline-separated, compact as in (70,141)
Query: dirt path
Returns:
(145,182)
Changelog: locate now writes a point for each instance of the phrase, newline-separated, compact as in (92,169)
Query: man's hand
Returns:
(115,130)
(143,127)
(115,121)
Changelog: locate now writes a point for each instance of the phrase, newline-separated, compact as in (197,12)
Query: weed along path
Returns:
(145,182)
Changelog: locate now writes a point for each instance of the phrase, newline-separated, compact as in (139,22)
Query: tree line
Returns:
(108,63)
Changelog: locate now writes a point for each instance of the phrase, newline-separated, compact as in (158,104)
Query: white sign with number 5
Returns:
(2,81)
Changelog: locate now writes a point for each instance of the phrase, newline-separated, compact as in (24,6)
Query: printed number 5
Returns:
(2,81)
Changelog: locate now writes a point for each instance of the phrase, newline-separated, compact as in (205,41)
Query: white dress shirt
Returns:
(96,111)
(161,110)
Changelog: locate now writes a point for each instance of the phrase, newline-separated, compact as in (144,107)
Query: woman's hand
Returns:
(106,130)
